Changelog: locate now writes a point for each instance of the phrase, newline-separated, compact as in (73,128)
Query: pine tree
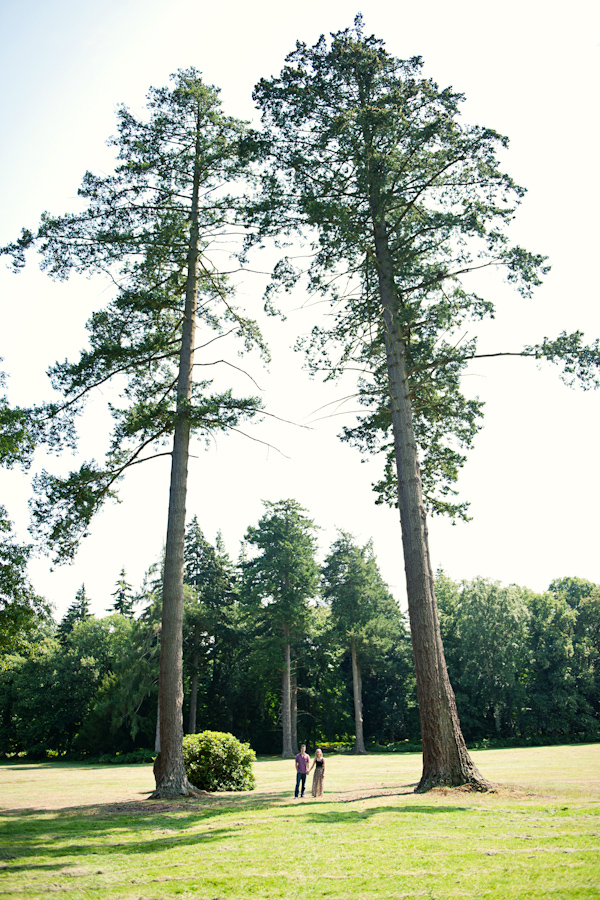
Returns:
(279,582)
(124,600)
(158,226)
(364,613)
(401,200)
(78,611)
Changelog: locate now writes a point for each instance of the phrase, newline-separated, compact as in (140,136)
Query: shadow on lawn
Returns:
(213,804)
(150,811)
(349,816)
(148,845)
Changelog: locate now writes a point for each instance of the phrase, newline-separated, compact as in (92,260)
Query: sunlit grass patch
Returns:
(370,837)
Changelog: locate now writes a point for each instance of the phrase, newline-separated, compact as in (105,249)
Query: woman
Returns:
(319,767)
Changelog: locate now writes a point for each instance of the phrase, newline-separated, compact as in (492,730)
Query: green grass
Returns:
(90,832)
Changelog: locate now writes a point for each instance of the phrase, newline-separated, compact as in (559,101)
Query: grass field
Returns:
(90,832)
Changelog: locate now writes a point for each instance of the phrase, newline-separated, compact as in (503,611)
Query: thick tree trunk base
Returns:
(166,793)
(473,780)
(173,784)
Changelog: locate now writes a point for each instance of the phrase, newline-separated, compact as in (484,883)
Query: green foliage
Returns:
(217,761)
(45,698)
(124,600)
(553,704)
(284,574)
(364,615)
(17,441)
(362,152)
(135,228)
(523,665)
(128,759)
(88,692)
(210,636)
(485,631)
(78,611)
(20,607)
(362,608)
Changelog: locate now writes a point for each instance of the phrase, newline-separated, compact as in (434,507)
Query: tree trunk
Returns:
(286,697)
(294,705)
(193,694)
(171,779)
(359,742)
(446,760)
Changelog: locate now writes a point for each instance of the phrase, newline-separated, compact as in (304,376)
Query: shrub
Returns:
(127,759)
(217,761)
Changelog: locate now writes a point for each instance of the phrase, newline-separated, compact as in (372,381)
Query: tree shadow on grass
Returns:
(209,806)
(97,844)
(345,816)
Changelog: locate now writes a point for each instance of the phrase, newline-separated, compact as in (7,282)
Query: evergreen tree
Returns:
(207,621)
(156,226)
(364,613)
(279,582)
(20,607)
(78,611)
(402,200)
(124,600)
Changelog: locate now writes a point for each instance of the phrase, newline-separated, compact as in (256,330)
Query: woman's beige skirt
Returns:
(317,785)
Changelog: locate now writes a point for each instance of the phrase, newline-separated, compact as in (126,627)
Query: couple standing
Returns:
(302,770)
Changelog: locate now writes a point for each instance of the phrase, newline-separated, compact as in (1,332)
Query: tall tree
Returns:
(20,607)
(124,600)
(552,701)
(485,630)
(155,227)
(279,581)
(402,201)
(362,610)
(78,611)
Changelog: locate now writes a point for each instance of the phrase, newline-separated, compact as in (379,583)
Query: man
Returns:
(302,764)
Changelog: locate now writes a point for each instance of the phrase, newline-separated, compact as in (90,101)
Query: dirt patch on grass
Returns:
(126,808)
(349,796)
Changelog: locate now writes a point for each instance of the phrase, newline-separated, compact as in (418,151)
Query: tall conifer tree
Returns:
(364,613)
(400,200)
(280,580)
(155,227)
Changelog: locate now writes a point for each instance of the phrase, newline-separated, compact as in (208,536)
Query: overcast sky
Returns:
(528,69)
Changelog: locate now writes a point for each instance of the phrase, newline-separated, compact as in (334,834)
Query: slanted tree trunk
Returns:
(171,779)
(446,760)
(359,741)
(286,698)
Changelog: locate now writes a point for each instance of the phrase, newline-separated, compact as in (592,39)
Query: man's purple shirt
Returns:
(302,763)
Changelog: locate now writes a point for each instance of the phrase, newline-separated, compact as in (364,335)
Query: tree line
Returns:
(396,201)
(524,666)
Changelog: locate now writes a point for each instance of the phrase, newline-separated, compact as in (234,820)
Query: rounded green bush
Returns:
(217,761)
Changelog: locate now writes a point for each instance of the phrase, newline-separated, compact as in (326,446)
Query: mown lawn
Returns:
(90,831)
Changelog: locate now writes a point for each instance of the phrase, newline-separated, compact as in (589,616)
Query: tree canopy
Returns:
(400,201)
(155,228)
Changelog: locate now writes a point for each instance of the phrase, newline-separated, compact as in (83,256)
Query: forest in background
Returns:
(400,200)
(525,667)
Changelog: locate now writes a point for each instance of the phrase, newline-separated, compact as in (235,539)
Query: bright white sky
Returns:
(528,69)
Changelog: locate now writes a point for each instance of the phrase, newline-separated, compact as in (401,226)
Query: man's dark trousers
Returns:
(300,777)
